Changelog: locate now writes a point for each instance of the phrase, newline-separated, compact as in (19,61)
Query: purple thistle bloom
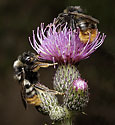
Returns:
(63,45)
(80,84)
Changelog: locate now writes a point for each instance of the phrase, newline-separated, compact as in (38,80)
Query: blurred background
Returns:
(17,20)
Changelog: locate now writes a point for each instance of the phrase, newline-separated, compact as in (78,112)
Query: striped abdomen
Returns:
(31,95)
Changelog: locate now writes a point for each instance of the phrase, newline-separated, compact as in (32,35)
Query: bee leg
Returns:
(43,65)
(72,24)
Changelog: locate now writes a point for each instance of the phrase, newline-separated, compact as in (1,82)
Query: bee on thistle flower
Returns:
(63,46)
(26,72)
(73,36)
(75,17)
(32,92)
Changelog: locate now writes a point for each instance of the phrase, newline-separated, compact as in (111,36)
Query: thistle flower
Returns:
(80,84)
(77,96)
(63,45)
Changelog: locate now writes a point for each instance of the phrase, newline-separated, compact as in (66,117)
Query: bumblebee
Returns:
(75,18)
(26,72)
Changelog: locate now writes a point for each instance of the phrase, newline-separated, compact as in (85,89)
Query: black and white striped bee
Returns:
(26,72)
(75,18)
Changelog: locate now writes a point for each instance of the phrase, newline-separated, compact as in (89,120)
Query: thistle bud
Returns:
(64,77)
(77,97)
(58,113)
(50,106)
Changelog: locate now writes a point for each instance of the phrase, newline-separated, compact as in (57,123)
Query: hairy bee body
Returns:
(23,67)
(76,18)
(26,72)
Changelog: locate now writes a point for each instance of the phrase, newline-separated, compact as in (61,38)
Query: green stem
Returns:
(67,121)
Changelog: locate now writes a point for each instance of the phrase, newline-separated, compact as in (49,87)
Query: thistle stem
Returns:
(67,121)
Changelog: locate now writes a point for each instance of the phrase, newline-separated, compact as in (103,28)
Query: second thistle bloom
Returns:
(77,96)
(63,45)
(80,84)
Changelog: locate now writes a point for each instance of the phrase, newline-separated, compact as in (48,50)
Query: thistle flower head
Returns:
(80,84)
(77,96)
(64,77)
(63,45)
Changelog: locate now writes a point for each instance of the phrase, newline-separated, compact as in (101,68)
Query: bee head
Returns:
(27,58)
(23,67)
(22,64)
(18,69)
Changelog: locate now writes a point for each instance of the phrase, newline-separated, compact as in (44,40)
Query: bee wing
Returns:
(23,100)
(43,88)
(22,92)
(86,16)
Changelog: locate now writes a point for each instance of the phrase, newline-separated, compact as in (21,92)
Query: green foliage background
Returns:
(17,20)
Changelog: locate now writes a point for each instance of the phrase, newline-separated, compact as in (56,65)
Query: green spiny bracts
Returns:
(64,76)
(50,106)
(48,101)
(77,97)
(58,113)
